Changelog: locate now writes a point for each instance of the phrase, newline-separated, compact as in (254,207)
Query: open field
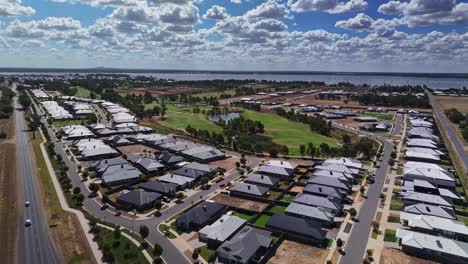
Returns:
(446,102)
(65,228)
(289,133)
(393,256)
(84,93)
(161,90)
(214,94)
(383,116)
(293,252)
(239,203)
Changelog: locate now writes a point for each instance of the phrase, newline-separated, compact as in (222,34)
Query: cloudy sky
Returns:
(336,35)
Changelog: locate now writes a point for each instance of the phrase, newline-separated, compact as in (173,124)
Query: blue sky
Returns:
(340,35)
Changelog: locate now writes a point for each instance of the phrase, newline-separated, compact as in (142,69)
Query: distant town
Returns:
(119,168)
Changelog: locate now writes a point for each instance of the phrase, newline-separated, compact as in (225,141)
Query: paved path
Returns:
(34,243)
(450,132)
(355,246)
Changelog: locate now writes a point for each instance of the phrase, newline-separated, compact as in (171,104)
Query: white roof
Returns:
(123,118)
(421,142)
(177,179)
(223,228)
(76,131)
(425,150)
(433,243)
(430,222)
(282,164)
(417,164)
(344,161)
(429,173)
(337,167)
(426,198)
(421,155)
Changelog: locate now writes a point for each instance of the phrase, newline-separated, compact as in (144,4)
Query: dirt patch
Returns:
(293,252)
(227,164)
(137,150)
(297,189)
(460,103)
(239,203)
(394,256)
(8,202)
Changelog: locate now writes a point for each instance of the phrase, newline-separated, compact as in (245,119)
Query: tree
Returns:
(94,187)
(273,152)
(311,150)
(391,162)
(117,232)
(195,254)
(346,139)
(157,250)
(76,190)
(144,231)
(237,164)
(339,243)
(353,212)
(163,110)
(302,149)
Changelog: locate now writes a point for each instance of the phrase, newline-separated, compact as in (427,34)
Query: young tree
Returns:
(302,149)
(157,250)
(144,231)
(346,139)
(353,212)
(94,187)
(76,190)
(117,232)
(339,243)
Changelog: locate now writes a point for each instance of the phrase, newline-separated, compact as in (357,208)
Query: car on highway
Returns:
(27,204)
(27,222)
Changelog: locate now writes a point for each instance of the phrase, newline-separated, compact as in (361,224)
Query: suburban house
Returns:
(427,209)
(324,216)
(262,180)
(204,153)
(324,191)
(164,188)
(421,156)
(278,168)
(340,175)
(201,215)
(120,177)
(332,204)
(101,165)
(421,142)
(436,226)
(416,165)
(181,181)
(221,230)
(296,228)
(434,248)
(245,246)
(243,189)
(337,168)
(169,158)
(117,141)
(415,197)
(352,163)
(138,199)
(150,166)
(331,182)
(437,177)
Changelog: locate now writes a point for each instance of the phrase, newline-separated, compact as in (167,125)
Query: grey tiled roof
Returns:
(249,189)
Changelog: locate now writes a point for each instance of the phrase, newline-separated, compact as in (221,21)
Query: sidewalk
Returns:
(63,202)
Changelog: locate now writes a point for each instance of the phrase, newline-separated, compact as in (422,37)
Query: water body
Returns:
(435,81)
(224,117)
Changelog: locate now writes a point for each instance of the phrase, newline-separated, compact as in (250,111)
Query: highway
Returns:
(357,242)
(34,244)
(170,253)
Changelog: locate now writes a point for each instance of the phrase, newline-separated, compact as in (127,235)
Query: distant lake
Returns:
(224,117)
(333,78)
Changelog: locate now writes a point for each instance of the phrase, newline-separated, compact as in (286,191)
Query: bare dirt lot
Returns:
(394,256)
(137,149)
(239,203)
(293,252)
(227,164)
(460,103)
(297,189)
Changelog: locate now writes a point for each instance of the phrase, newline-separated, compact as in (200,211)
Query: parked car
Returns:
(166,199)
(27,204)
(118,213)
(222,185)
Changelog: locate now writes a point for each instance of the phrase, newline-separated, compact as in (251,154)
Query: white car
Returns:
(28,222)
(27,204)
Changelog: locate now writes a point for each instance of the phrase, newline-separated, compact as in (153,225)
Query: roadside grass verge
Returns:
(64,226)
(166,230)
(289,133)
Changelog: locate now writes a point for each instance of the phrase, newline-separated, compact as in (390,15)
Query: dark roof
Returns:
(170,158)
(139,197)
(261,179)
(149,164)
(188,172)
(297,226)
(329,181)
(201,213)
(244,244)
(319,201)
(251,189)
(323,190)
(160,187)
(107,162)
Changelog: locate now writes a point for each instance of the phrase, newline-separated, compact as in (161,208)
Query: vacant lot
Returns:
(239,203)
(293,252)
(136,149)
(460,103)
(227,164)
(394,256)
(291,134)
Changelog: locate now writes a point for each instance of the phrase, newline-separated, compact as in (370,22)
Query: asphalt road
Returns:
(356,244)
(34,244)
(446,125)
(171,254)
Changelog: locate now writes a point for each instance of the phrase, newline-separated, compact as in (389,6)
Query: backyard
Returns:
(262,220)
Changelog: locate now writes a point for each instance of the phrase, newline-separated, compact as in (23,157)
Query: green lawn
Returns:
(288,198)
(396,203)
(390,235)
(262,220)
(273,195)
(207,253)
(278,209)
(291,134)
(181,117)
(382,116)
(399,171)
(120,247)
(245,216)
(463,219)
(393,219)
(166,231)
(62,123)
(84,93)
